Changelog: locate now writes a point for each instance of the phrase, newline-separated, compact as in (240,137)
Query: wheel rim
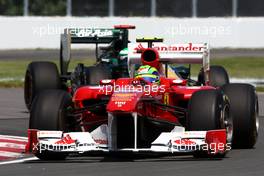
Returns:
(228,123)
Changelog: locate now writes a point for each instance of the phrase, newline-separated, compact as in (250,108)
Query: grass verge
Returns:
(12,71)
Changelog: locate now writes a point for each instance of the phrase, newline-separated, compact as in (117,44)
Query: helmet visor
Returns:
(149,79)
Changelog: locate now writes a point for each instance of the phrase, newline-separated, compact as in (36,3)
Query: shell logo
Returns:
(166,99)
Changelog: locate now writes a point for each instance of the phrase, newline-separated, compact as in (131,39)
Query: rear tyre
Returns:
(209,110)
(244,110)
(217,76)
(40,76)
(49,112)
(95,74)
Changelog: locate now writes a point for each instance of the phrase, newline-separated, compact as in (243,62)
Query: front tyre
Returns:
(49,112)
(244,109)
(209,110)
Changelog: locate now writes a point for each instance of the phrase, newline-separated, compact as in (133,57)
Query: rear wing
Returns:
(90,36)
(189,53)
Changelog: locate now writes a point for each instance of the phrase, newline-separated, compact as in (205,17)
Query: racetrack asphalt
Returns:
(14,121)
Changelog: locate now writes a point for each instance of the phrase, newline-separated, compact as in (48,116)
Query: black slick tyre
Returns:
(218,76)
(49,112)
(244,110)
(40,76)
(209,110)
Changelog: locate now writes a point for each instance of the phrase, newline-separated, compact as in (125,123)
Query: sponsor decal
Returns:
(190,47)
(101,141)
(120,103)
(66,140)
(44,134)
(166,98)
(92,33)
(184,142)
(122,97)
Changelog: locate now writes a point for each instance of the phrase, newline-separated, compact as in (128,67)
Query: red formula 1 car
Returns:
(204,118)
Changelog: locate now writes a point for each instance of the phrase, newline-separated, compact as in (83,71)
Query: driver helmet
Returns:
(123,53)
(148,73)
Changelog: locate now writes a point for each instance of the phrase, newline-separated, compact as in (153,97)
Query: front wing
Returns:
(177,141)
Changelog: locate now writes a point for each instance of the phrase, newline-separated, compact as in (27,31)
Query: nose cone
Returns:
(124,102)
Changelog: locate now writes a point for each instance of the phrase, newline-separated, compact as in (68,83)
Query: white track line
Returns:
(10,154)
(19,161)
(11,79)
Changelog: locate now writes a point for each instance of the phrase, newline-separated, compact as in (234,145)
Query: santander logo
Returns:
(189,47)
(66,140)
(184,142)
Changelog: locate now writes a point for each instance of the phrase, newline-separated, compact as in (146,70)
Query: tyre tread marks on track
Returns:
(12,147)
